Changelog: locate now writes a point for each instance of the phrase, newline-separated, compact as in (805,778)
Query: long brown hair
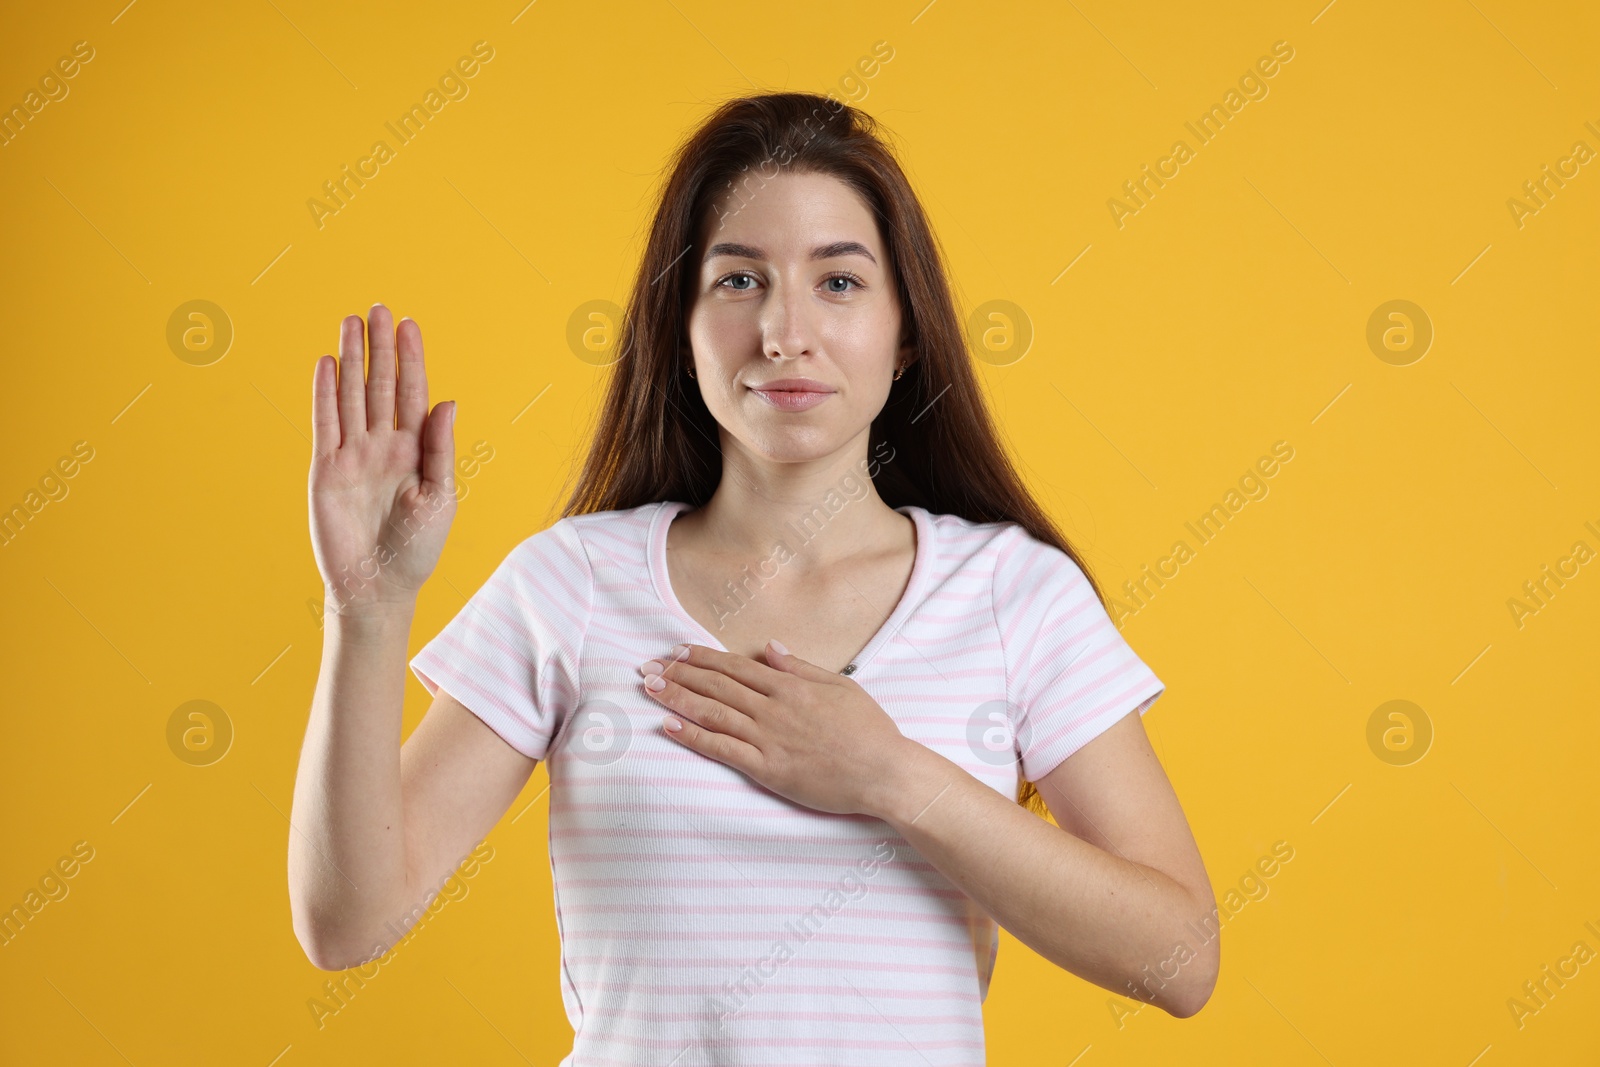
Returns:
(655,439)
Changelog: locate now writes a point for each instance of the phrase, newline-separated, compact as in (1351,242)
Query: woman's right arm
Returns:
(376,827)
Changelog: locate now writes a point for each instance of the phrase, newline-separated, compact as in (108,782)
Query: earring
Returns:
(901,370)
(690,369)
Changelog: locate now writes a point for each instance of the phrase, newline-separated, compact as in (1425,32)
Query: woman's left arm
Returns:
(1117,893)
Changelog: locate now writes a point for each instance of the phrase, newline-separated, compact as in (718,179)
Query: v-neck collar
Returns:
(661,580)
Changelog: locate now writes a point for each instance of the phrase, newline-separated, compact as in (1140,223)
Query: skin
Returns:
(1105,892)
(765,309)
(377,826)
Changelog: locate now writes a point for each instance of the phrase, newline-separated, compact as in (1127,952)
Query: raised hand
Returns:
(382,485)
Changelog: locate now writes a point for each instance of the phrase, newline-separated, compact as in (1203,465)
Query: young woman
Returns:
(800,656)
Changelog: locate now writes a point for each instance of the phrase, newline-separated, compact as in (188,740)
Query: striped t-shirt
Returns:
(707,920)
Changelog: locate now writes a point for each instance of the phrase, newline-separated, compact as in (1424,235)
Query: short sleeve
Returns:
(1069,674)
(511,654)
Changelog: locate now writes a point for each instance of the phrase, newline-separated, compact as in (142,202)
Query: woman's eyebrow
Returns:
(828,251)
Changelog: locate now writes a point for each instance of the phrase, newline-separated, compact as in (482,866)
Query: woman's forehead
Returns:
(790,216)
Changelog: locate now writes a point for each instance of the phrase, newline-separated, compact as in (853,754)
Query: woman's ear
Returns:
(907,355)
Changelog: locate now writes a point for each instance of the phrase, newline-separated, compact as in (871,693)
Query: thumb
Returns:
(781,659)
(439,447)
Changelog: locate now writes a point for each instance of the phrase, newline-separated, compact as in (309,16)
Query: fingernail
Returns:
(655,683)
(680,652)
(655,666)
(672,725)
(777,646)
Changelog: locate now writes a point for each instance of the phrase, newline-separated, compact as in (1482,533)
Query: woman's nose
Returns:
(787,329)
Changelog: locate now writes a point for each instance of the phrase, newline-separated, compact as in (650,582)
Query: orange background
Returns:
(1230,312)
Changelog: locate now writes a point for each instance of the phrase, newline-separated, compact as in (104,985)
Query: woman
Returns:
(758,854)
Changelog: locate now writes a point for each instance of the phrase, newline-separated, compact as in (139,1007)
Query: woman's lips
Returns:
(791,400)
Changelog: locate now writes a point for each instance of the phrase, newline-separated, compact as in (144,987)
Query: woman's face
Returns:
(794,284)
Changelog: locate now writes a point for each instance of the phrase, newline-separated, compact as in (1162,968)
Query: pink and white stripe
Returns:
(704,919)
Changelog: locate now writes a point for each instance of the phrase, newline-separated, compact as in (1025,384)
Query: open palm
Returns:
(382,487)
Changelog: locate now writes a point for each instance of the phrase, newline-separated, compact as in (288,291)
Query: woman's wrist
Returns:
(367,614)
(916,777)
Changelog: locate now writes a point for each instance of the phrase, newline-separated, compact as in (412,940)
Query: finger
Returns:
(439,448)
(324,406)
(380,373)
(720,747)
(707,712)
(352,380)
(412,396)
(757,677)
(715,686)
(789,663)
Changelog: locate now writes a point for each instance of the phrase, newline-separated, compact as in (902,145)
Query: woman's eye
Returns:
(837,284)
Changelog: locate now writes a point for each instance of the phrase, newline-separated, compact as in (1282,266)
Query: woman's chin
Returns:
(793,447)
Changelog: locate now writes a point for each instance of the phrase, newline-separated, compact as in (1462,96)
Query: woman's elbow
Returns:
(328,945)
(325,951)
(1193,999)
(1196,992)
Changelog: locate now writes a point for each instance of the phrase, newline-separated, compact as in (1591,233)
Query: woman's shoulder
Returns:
(972,549)
(607,532)
(615,519)
(958,530)
(1005,549)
